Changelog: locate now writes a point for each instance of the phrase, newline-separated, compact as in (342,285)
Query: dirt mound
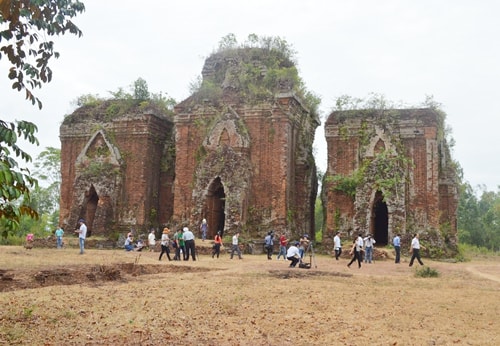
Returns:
(81,274)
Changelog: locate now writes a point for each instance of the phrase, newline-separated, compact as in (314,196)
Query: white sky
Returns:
(402,49)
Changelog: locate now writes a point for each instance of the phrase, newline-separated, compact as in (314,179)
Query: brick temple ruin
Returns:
(390,172)
(241,162)
(238,152)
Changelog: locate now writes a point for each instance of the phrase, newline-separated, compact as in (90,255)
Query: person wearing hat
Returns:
(188,237)
(82,234)
(164,242)
(204,229)
(293,254)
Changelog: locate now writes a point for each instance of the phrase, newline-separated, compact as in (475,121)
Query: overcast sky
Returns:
(402,49)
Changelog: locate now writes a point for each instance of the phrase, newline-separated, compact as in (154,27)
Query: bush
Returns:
(427,272)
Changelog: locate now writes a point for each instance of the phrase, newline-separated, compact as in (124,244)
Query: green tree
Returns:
(25,27)
(15,181)
(26,23)
(48,172)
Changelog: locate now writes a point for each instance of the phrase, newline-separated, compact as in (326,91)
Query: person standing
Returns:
(151,240)
(82,234)
(369,241)
(269,244)
(415,250)
(337,245)
(59,237)
(357,247)
(293,254)
(164,242)
(188,237)
(235,246)
(204,229)
(283,243)
(217,245)
(396,242)
(304,244)
(180,248)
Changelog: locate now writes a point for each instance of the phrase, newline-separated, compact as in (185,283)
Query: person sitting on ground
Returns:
(293,254)
(139,245)
(129,242)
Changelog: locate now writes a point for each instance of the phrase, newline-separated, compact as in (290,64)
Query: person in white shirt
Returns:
(82,234)
(188,237)
(415,250)
(293,254)
(152,240)
(357,247)
(337,245)
(235,247)
(369,241)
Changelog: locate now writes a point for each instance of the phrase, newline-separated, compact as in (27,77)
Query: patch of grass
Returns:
(426,272)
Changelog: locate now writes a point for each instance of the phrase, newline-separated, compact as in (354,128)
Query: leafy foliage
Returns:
(28,22)
(122,101)
(426,272)
(479,218)
(15,181)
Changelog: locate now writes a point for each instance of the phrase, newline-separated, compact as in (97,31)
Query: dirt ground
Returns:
(113,297)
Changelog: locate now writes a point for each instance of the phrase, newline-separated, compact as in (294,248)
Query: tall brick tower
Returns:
(244,156)
(390,172)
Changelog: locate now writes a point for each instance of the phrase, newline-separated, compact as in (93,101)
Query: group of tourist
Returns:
(365,245)
(183,242)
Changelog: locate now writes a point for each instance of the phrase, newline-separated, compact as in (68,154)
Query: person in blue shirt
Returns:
(396,242)
(59,237)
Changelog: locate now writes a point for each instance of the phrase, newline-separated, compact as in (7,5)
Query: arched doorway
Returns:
(380,220)
(89,208)
(215,206)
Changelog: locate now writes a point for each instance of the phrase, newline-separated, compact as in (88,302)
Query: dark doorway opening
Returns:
(89,208)
(380,220)
(215,206)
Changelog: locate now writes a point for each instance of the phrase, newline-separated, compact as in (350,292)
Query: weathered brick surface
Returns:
(426,199)
(111,169)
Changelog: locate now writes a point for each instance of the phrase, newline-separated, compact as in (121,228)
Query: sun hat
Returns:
(166,230)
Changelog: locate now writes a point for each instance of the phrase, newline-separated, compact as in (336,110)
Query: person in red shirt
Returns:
(217,245)
(283,243)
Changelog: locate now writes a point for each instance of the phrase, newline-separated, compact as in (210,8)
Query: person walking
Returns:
(293,254)
(59,237)
(152,240)
(165,244)
(415,250)
(217,245)
(337,245)
(357,248)
(396,242)
(368,242)
(235,246)
(283,243)
(188,237)
(82,234)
